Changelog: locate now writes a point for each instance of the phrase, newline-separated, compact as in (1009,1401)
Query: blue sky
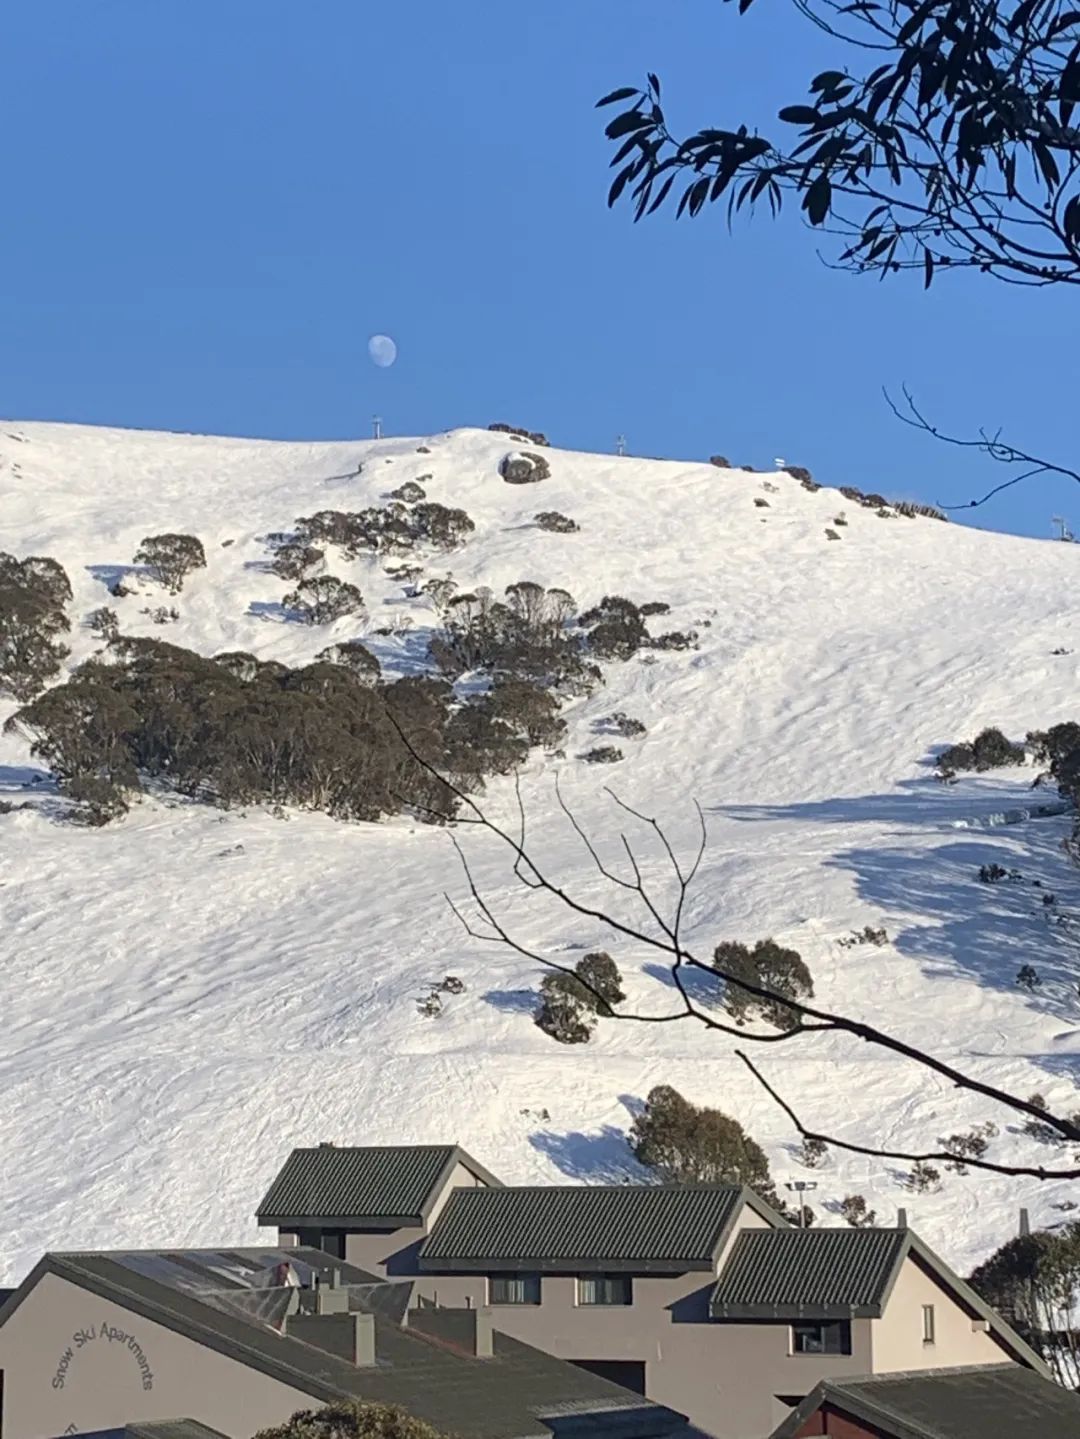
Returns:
(211,204)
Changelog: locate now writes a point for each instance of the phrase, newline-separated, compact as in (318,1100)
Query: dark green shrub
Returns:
(770,966)
(296,561)
(171,558)
(689,1145)
(33,593)
(322,600)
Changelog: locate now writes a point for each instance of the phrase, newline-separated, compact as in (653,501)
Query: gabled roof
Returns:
(971,1403)
(839,1274)
(824,1273)
(222,1300)
(396,1185)
(646,1228)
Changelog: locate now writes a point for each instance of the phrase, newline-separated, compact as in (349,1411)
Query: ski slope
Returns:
(187,994)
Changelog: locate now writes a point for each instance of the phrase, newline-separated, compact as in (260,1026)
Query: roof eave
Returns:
(565,1264)
(781,1313)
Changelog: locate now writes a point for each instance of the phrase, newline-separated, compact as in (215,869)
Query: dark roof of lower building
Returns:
(970,1403)
(635,1227)
(394,1184)
(171,1429)
(826,1273)
(226,1301)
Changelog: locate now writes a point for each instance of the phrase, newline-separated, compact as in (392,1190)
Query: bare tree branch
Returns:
(811,1019)
(992,445)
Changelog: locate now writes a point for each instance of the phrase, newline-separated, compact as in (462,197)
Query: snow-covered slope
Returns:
(187,994)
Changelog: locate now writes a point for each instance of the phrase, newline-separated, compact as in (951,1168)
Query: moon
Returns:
(382,350)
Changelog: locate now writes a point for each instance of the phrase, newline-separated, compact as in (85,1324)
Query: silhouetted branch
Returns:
(992,445)
(811,1019)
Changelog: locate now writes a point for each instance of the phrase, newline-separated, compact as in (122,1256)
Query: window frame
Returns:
(531,1287)
(624,1282)
(841,1326)
(929,1325)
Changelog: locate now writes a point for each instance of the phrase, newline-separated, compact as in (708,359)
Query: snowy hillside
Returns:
(186,994)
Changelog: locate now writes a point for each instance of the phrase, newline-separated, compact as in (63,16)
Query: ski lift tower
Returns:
(376,426)
(620,444)
(1064,533)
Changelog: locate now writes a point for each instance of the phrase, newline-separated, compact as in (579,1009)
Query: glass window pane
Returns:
(514,1289)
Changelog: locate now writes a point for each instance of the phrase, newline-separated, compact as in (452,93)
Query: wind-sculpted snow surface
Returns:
(187,993)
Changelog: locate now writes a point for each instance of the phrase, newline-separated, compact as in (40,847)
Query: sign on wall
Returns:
(108,1335)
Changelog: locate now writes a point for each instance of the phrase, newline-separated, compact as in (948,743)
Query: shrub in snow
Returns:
(354,657)
(685,1144)
(769,966)
(293,561)
(528,708)
(721,462)
(603,754)
(536,437)
(923,1178)
(971,1144)
(623,725)
(812,1151)
(451,984)
(171,558)
(761,502)
(561,1012)
(988,750)
(992,873)
(1027,977)
(1050,746)
(615,627)
(521,467)
(104,623)
(800,473)
(98,801)
(675,640)
(409,493)
(831,534)
(602,982)
(33,594)
(322,600)
(558,524)
(854,1210)
(654,607)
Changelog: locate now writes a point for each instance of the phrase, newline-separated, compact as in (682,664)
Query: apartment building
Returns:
(701,1298)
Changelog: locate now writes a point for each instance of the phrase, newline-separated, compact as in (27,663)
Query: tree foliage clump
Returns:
(33,595)
(237,730)
(392,529)
(614,628)
(171,558)
(409,493)
(1059,748)
(1033,1282)
(323,599)
(685,1144)
(988,750)
(525,636)
(294,561)
(855,1211)
(535,437)
(769,965)
(557,523)
(949,141)
(571,1003)
(348,1420)
(355,657)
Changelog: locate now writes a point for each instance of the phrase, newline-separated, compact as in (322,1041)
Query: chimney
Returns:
(901,1219)
(467,1330)
(1025,1224)
(349,1336)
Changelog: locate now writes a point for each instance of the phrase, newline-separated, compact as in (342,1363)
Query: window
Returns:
(514,1289)
(604,1289)
(330,1241)
(630,1373)
(928,1324)
(828,1337)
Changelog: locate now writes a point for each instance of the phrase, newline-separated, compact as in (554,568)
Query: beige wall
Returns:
(725,1377)
(53,1384)
(897,1338)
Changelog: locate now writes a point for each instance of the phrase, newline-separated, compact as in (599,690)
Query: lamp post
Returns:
(800,1187)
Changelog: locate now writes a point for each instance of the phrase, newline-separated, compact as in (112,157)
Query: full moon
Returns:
(382,350)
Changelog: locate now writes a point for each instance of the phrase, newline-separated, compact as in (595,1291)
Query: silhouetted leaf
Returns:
(655,83)
(622,94)
(817,199)
(627,121)
(799,115)
(928,269)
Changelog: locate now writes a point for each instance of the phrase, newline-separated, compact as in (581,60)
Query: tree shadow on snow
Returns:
(111,575)
(702,988)
(511,1001)
(915,801)
(600,1158)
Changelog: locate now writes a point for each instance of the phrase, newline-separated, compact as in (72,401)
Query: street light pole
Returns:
(800,1187)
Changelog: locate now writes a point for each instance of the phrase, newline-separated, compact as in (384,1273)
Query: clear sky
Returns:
(209,205)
